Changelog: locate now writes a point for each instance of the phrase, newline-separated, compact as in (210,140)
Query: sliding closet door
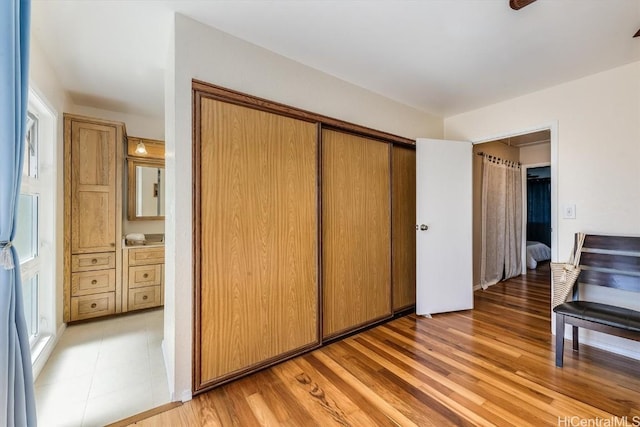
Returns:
(404,227)
(356,237)
(257,239)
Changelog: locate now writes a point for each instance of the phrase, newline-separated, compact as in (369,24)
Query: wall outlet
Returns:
(569,212)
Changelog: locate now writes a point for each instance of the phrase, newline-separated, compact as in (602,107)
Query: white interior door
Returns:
(444,213)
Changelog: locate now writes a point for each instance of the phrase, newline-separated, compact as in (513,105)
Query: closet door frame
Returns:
(201,90)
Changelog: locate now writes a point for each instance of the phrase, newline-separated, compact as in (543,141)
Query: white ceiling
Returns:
(441,56)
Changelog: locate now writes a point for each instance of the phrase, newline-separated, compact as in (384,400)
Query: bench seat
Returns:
(608,315)
(610,262)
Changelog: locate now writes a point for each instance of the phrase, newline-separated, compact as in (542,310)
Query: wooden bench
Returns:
(612,262)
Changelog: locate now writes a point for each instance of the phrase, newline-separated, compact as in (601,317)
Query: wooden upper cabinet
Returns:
(404,231)
(93,187)
(356,222)
(256,239)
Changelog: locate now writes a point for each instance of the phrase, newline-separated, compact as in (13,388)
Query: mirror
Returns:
(146,188)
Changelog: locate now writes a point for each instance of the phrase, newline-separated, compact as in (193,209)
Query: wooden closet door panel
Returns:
(93,189)
(404,221)
(258,237)
(356,223)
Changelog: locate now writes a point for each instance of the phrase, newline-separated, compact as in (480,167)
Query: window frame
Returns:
(32,186)
(40,179)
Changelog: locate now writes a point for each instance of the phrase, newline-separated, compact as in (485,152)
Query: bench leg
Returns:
(559,339)
(575,338)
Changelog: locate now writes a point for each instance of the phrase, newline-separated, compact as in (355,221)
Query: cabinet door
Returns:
(356,237)
(404,232)
(256,242)
(93,187)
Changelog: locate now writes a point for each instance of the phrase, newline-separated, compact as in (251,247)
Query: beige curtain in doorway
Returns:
(513,221)
(501,220)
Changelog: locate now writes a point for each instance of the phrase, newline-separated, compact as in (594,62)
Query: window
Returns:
(27,240)
(26,243)
(35,225)
(30,167)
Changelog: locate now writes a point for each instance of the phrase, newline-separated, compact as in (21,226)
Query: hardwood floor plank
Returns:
(395,416)
(404,374)
(262,411)
(412,365)
(280,399)
(238,408)
(301,384)
(377,416)
(465,391)
(327,390)
(392,388)
(490,366)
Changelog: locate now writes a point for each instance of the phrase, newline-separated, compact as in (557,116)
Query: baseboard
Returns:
(170,379)
(184,395)
(602,345)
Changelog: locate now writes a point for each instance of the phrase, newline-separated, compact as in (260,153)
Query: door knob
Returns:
(424,227)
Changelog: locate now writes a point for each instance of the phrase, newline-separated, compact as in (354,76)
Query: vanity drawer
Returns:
(86,307)
(146,297)
(146,256)
(93,282)
(145,275)
(88,262)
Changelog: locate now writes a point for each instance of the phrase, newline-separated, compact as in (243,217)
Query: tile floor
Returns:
(103,371)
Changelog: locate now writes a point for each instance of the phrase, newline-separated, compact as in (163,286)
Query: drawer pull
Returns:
(144,297)
(94,281)
(94,261)
(94,305)
(145,275)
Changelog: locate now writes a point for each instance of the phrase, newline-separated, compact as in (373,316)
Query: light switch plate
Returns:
(569,212)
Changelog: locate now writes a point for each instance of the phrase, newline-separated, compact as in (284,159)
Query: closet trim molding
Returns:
(239,98)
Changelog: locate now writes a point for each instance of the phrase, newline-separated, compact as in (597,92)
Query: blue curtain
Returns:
(17,400)
(539,210)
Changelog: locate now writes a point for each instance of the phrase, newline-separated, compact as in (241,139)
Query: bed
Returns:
(537,252)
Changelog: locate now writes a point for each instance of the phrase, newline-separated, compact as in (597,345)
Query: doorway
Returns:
(536,199)
(533,147)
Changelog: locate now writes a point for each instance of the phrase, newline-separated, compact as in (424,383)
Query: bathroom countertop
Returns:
(151,241)
(126,245)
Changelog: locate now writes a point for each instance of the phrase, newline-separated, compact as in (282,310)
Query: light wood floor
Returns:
(493,365)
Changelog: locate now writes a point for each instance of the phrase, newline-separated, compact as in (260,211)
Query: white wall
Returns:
(141,126)
(598,160)
(43,79)
(207,54)
(535,154)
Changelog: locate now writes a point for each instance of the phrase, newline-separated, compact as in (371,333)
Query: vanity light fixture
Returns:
(140,148)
